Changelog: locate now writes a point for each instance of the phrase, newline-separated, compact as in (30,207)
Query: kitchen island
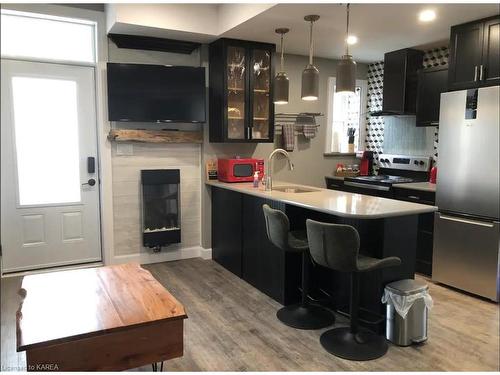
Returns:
(387,227)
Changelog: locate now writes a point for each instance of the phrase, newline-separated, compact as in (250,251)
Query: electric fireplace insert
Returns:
(161,223)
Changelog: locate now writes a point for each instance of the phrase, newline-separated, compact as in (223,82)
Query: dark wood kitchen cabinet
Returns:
(227,229)
(425,234)
(431,83)
(474,54)
(241,91)
(240,243)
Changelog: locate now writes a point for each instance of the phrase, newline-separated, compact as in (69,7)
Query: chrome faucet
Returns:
(269,167)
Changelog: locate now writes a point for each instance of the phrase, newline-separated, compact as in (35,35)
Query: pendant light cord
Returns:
(311,44)
(347,31)
(282,52)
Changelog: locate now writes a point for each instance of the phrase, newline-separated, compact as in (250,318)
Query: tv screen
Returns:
(151,93)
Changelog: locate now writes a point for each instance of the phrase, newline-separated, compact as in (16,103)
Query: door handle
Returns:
(466,221)
(367,186)
(481,72)
(90,182)
(475,73)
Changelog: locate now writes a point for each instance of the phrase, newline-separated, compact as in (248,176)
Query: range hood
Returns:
(400,82)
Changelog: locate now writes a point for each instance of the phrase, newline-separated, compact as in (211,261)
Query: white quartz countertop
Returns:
(424,186)
(332,202)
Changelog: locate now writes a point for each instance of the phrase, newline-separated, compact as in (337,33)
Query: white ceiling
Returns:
(380,28)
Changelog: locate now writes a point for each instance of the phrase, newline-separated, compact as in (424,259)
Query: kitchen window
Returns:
(346,118)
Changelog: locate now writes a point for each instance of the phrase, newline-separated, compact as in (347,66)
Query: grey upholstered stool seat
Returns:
(336,247)
(303,315)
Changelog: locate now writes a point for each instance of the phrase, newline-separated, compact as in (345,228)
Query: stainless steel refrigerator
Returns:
(466,227)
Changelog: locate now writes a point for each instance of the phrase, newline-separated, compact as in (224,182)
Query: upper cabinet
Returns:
(431,83)
(241,91)
(474,54)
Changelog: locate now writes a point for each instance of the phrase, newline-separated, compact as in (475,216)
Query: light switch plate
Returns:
(124,149)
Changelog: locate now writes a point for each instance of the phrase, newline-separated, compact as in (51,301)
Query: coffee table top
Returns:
(68,305)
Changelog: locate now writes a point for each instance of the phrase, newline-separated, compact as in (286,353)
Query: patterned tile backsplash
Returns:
(398,134)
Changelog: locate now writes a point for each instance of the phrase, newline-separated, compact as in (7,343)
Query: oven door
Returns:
(368,189)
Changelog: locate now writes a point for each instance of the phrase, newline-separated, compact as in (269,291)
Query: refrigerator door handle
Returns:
(466,221)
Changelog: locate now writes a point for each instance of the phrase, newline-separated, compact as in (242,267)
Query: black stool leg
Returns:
(305,315)
(352,342)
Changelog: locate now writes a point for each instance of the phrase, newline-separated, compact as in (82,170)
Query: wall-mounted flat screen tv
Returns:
(156,93)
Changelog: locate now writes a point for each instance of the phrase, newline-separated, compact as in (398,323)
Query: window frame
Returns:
(78,21)
(363,83)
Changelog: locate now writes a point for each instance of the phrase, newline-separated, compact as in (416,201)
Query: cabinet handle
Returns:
(475,73)
(481,71)
(413,197)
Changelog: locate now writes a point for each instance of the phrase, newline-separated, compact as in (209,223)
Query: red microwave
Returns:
(239,170)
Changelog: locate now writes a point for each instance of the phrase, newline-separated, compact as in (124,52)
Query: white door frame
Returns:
(103,125)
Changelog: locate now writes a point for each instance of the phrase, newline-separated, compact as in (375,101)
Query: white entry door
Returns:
(50,203)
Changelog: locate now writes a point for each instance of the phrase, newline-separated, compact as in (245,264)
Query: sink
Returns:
(293,189)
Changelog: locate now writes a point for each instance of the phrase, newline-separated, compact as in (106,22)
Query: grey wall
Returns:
(311,165)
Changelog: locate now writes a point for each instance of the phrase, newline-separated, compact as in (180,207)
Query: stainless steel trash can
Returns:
(411,296)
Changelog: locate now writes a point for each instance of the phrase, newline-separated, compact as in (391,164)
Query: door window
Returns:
(46,140)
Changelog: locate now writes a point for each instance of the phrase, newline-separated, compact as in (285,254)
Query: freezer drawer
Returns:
(465,254)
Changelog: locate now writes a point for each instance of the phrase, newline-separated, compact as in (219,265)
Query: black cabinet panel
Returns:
(263,263)
(465,55)
(474,54)
(491,52)
(227,229)
(431,83)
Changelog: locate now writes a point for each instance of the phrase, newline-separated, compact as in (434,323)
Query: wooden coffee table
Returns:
(106,318)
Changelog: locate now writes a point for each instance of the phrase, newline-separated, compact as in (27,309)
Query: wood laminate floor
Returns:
(233,327)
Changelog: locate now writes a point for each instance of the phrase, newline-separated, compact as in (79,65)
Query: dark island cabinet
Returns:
(431,83)
(227,229)
(241,91)
(474,54)
(240,243)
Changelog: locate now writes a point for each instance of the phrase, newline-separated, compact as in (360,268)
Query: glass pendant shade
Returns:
(281,85)
(346,75)
(310,83)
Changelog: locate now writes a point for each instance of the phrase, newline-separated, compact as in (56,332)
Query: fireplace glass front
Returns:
(160,207)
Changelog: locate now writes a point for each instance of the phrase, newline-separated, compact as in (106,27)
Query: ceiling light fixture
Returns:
(427,15)
(281,83)
(346,68)
(352,39)
(310,75)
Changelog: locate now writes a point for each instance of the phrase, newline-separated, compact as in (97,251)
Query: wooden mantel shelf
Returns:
(155,136)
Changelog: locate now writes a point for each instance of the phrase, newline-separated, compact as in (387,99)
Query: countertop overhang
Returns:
(332,202)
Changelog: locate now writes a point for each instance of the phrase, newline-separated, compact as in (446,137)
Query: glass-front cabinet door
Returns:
(262,106)
(236,92)
(241,107)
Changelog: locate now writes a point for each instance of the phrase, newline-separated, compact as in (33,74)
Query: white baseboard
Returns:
(205,253)
(164,255)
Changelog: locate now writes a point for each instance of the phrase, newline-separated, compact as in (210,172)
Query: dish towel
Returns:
(308,124)
(288,137)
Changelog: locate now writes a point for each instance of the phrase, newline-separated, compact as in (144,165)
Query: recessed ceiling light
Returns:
(427,15)
(352,39)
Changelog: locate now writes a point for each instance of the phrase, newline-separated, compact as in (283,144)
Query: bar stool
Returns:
(302,315)
(336,247)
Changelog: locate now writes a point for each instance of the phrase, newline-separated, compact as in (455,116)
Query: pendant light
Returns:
(310,75)
(346,68)
(281,83)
